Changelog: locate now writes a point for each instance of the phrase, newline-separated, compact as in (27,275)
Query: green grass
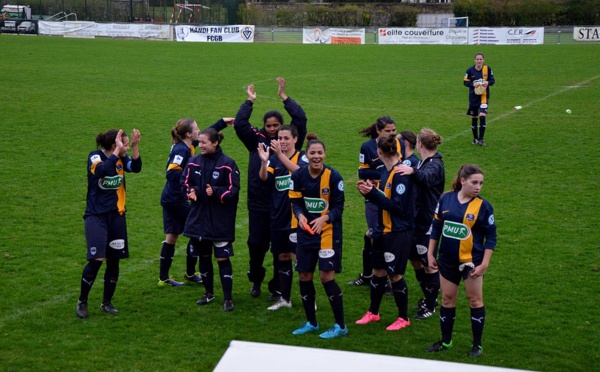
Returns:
(542,176)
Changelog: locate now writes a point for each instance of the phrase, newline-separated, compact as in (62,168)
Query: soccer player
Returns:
(259,193)
(184,137)
(317,197)
(369,168)
(466,222)
(276,170)
(104,218)
(429,178)
(392,238)
(212,183)
(478,79)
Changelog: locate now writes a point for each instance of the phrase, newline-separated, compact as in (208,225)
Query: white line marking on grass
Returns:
(506,114)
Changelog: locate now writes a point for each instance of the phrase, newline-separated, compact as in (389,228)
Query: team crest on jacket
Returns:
(341,186)
(215,175)
(119,167)
(470,217)
(325,191)
(400,189)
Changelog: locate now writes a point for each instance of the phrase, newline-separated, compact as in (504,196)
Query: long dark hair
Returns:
(107,140)
(379,124)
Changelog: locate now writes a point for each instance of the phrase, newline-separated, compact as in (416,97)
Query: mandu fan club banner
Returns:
(215,34)
(333,36)
(507,35)
(422,35)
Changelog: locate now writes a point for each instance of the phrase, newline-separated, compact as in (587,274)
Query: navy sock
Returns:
(481,127)
(111,277)
(207,273)
(286,274)
(191,258)
(226,274)
(307,293)
(421,278)
(477,323)
(166,258)
(401,297)
(377,291)
(447,317)
(474,128)
(366,256)
(334,293)
(90,272)
(432,289)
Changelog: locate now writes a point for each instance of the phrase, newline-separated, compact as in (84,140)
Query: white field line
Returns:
(511,112)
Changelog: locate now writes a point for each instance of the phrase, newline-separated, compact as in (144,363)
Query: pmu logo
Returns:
(247,33)
(456,230)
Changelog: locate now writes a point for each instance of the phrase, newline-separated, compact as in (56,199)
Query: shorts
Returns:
(477,110)
(283,241)
(453,272)
(106,236)
(328,260)
(418,251)
(174,217)
(391,250)
(206,247)
(372,216)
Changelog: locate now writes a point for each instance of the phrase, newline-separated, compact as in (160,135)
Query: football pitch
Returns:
(542,175)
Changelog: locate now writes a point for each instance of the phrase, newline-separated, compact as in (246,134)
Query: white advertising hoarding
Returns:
(333,36)
(395,35)
(506,35)
(215,34)
(586,33)
(93,29)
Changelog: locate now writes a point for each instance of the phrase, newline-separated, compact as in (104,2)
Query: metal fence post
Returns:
(558,37)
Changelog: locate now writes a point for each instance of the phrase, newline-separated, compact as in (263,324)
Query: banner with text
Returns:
(586,33)
(333,36)
(395,35)
(507,35)
(215,34)
(93,29)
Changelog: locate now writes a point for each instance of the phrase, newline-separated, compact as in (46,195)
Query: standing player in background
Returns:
(259,193)
(478,79)
(184,137)
(466,221)
(369,168)
(392,238)
(212,183)
(276,171)
(104,218)
(429,178)
(317,197)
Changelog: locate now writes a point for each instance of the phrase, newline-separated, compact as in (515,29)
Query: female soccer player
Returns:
(478,79)
(184,137)
(276,171)
(104,218)
(212,183)
(429,178)
(317,197)
(369,168)
(393,237)
(466,222)
(259,193)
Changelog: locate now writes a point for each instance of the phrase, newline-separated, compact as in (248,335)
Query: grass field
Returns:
(542,176)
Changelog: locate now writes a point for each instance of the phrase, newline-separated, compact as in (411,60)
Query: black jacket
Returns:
(212,217)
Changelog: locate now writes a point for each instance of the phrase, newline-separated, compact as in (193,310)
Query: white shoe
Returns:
(279,304)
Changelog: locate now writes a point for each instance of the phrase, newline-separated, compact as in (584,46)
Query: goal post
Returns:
(454,22)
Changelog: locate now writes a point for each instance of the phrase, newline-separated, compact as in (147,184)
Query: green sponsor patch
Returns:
(456,230)
(111,183)
(315,205)
(283,183)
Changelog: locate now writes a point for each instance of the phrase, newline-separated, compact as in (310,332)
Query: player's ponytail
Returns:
(313,139)
(465,172)
(107,140)
(179,131)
